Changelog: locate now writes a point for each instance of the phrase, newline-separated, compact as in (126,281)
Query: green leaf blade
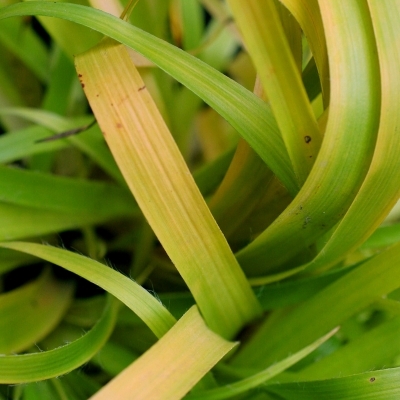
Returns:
(48,364)
(248,114)
(134,296)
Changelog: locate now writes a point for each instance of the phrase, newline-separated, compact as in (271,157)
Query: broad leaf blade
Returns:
(164,188)
(173,365)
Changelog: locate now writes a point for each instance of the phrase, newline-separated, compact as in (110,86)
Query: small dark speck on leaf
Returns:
(307,139)
(83,85)
(372,379)
(80,75)
(142,88)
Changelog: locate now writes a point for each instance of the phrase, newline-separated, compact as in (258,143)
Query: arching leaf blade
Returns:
(48,364)
(346,150)
(39,305)
(130,293)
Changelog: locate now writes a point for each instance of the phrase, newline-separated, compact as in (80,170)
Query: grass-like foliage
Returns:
(198,199)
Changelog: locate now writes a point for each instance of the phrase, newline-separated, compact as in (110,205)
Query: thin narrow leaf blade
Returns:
(346,150)
(252,382)
(343,298)
(248,114)
(20,222)
(134,296)
(34,367)
(71,38)
(57,193)
(308,15)
(267,44)
(381,189)
(374,385)
(369,351)
(90,142)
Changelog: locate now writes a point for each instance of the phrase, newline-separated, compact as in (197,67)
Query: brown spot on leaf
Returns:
(82,84)
(372,379)
(142,88)
(80,75)
(307,139)
(119,125)
(124,99)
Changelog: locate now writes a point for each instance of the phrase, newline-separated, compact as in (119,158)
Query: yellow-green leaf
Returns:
(161,182)
(172,366)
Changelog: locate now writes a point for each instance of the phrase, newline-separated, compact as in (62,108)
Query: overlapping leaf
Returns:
(172,366)
(161,182)
(249,115)
(134,296)
(347,147)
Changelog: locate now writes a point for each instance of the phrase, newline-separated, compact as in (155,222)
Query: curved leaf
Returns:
(267,44)
(381,188)
(249,115)
(308,15)
(252,382)
(329,307)
(39,305)
(347,147)
(134,296)
(48,364)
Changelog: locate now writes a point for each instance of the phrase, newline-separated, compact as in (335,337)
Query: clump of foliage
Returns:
(255,259)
